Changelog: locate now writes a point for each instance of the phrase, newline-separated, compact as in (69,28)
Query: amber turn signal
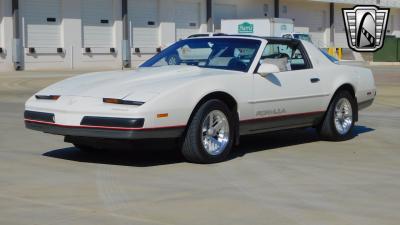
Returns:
(111,100)
(162,115)
(47,97)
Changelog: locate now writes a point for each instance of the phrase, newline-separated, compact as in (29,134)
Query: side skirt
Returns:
(262,125)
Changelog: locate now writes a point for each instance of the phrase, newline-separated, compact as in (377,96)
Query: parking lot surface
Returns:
(281,178)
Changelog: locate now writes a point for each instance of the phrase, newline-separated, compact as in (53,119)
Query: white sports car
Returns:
(206,92)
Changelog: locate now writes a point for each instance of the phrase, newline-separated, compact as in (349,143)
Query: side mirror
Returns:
(267,68)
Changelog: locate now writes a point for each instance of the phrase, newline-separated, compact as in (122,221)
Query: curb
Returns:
(384,63)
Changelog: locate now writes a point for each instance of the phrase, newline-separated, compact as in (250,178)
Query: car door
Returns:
(290,98)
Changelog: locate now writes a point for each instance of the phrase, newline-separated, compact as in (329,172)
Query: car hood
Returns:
(144,83)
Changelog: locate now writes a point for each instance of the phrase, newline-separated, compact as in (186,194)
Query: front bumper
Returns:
(100,127)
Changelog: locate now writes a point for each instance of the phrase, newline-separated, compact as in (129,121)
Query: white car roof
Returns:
(317,58)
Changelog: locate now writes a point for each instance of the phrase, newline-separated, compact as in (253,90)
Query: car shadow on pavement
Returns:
(280,139)
(136,157)
(164,155)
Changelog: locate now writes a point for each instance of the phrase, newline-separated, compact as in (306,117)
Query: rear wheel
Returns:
(339,119)
(210,135)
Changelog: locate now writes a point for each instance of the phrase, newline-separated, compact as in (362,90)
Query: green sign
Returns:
(246,28)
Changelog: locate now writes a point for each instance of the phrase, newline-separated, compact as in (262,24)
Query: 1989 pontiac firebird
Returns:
(206,92)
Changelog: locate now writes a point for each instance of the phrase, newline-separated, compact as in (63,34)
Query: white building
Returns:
(87,34)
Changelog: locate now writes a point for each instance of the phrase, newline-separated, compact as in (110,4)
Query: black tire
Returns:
(327,129)
(192,146)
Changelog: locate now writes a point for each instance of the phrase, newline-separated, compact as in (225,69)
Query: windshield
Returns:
(218,53)
(304,37)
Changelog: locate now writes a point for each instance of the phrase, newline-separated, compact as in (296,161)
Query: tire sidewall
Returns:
(202,114)
(351,99)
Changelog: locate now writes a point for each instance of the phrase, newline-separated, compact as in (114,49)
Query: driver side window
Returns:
(285,56)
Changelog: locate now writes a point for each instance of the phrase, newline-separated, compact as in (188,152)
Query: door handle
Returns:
(315,80)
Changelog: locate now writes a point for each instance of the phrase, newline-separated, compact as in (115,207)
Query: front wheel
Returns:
(210,135)
(339,119)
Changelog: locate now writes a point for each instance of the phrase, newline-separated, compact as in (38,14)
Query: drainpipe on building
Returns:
(17,41)
(276,7)
(210,24)
(126,47)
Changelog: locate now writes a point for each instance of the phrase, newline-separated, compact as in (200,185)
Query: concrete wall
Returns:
(6,27)
(395,14)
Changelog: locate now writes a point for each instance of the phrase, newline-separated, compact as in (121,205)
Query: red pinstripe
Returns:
(166,127)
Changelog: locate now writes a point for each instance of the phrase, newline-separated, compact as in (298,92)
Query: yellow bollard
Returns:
(340,53)
(331,51)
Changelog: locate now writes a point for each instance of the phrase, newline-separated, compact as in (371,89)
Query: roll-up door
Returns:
(41,21)
(143,16)
(98,23)
(223,11)
(187,19)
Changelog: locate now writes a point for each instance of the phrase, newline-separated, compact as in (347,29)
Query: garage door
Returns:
(143,16)
(340,31)
(98,23)
(223,11)
(41,21)
(187,19)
